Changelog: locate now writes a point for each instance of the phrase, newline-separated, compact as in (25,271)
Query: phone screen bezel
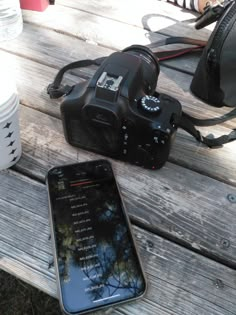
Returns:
(53,237)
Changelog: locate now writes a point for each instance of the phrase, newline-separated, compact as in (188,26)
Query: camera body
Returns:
(117,112)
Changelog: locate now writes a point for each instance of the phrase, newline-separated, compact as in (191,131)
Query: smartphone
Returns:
(96,260)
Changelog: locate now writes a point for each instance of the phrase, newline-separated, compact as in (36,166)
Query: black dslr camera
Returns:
(118,113)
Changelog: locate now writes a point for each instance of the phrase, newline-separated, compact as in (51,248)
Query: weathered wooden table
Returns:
(183,216)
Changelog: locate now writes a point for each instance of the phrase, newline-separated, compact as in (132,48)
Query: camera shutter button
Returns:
(150,104)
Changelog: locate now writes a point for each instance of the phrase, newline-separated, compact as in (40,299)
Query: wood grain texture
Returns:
(100,30)
(89,27)
(157,16)
(174,201)
(180,282)
(48,40)
(56,50)
(186,203)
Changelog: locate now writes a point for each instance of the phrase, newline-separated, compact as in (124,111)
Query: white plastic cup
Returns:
(10,144)
(11,22)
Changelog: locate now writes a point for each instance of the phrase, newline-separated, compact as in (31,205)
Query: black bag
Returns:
(215,78)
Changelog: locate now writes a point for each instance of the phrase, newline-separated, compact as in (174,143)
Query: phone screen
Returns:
(97,262)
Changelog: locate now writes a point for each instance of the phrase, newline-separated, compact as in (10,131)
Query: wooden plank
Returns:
(55,44)
(133,12)
(217,163)
(191,208)
(100,30)
(89,27)
(26,72)
(51,48)
(57,50)
(180,282)
(157,16)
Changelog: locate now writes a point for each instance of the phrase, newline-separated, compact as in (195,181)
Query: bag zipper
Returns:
(218,40)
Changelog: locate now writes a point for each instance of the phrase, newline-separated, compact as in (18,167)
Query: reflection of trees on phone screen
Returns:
(97,261)
(112,258)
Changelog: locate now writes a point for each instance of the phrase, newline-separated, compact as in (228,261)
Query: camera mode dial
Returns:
(150,104)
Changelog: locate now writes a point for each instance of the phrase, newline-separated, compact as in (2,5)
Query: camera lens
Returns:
(150,65)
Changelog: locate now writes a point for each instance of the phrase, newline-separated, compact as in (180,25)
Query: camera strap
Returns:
(169,54)
(188,123)
(56,89)
(176,40)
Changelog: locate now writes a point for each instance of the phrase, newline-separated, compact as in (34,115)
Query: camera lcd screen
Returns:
(96,257)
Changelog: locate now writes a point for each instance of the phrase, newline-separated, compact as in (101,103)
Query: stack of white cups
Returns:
(11,23)
(10,144)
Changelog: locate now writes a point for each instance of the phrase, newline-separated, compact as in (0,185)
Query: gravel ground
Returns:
(19,298)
